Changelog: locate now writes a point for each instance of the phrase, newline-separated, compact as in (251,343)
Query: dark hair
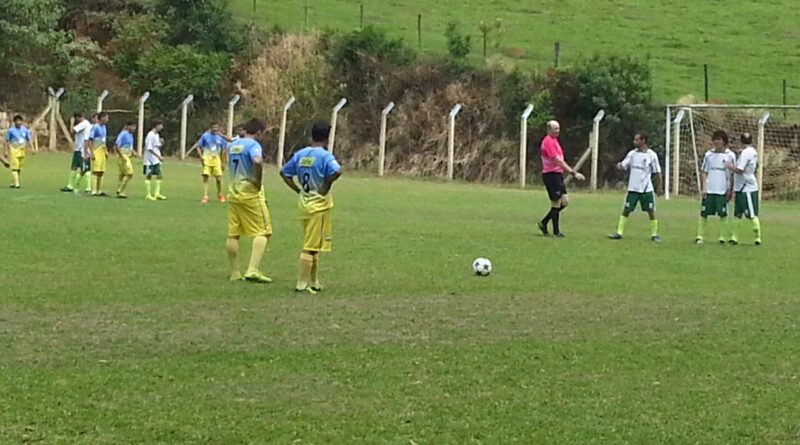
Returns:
(102,114)
(254,126)
(212,124)
(130,123)
(320,132)
(720,135)
(746,138)
(18,118)
(78,115)
(642,135)
(156,123)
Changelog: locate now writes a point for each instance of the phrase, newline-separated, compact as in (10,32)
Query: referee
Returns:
(553,169)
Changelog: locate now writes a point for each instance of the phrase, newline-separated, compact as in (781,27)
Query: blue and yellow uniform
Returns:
(312,166)
(98,136)
(247,210)
(18,139)
(212,145)
(125,147)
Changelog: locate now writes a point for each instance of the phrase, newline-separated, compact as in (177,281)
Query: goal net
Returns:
(776,135)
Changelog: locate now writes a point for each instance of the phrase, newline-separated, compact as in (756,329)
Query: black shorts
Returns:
(554,182)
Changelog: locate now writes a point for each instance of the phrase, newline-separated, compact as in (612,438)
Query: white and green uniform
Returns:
(718,182)
(745,184)
(82,131)
(642,165)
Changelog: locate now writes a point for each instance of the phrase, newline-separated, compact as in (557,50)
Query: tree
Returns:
(29,38)
(207,25)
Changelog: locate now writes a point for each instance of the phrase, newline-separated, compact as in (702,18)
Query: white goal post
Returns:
(775,131)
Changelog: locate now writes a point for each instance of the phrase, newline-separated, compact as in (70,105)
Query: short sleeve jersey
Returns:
(211,144)
(551,151)
(125,142)
(719,177)
(82,130)
(152,147)
(642,165)
(746,181)
(18,138)
(241,156)
(312,166)
(98,136)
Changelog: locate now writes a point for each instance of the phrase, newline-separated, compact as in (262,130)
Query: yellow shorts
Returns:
(17,160)
(100,160)
(250,218)
(212,165)
(317,231)
(125,165)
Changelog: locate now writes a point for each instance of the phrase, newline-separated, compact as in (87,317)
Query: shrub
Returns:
(459,45)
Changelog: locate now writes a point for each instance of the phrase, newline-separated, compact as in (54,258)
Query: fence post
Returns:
(232,114)
(676,173)
(100,100)
(761,158)
(184,123)
(334,123)
(557,49)
(55,97)
(705,80)
(282,134)
(595,144)
(523,146)
(140,126)
(667,133)
(382,143)
(419,31)
(451,141)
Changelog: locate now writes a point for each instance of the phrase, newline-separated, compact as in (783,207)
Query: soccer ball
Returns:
(482,267)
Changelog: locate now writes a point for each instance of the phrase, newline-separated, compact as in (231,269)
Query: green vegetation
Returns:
(749,46)
(129,332)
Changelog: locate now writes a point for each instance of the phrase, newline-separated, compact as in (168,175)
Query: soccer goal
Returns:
(776,136)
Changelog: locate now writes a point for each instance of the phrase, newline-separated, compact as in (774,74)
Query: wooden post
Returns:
(185,123)
(55,97)
(334,123)
(676,163)
(100,100)
(140,126)
(523,146)
(451,141)
(595,144)
(282,135)
(761,155)
(705,80)
(419,31)
(232,113)
(382,143)
(557,51)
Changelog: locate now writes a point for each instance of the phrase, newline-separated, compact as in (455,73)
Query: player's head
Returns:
(720,139)
(102,117)
(320,132)
(77,117)
(18,120)
(130,126)
(94,118)
(640,140)
(239,130)
(214,128)
(746,138)
(254,127)
(553,128)
(158,125)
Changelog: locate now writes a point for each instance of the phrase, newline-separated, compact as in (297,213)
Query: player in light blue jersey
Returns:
(316,169)
(248,214)
(18,139)
(125,151)
(212,145)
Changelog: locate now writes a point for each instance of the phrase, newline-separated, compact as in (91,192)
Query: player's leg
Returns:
(631,199)
(205,188)
(554,194)
(701,225)
(157,188)
(312,226)
(563,203)
(148,182)
(74,172)
(256,223)
(649,205)
(324,246)
(218,179)
(16,162)
(235,230)
(722,211)
(752,213)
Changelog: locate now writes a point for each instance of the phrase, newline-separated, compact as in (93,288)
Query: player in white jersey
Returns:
(81,161)
(717,183)
(642,162)
(153,161)
(745,185)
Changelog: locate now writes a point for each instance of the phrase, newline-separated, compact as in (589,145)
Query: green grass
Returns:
(750,47)
(130,333)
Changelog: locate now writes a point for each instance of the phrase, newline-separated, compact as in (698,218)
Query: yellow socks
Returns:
(148,186)
(735,229)
(314,276)
(304,270)
(157,189)
(123,184)
(723,229)
(15,178)
(757,229)
(701,228)
(74,176)
(621,225)
(232,247)
(654,227)
(259,246)
(205,189)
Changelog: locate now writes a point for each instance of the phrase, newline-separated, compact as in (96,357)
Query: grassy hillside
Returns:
(131,334)
(749,46)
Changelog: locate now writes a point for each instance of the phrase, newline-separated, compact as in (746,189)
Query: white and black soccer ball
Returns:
(482,267)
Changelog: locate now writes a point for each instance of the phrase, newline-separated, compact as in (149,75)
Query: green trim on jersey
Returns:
(714,205)
(746,205)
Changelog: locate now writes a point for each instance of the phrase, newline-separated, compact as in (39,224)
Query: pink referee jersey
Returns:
(551,150)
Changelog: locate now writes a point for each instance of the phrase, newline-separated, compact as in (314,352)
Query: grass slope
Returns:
(118,326)
(749,46)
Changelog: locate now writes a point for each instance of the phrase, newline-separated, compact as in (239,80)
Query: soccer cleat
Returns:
(204,200)
(221,198)
(102,195)
(698,241)
(758,242)
(722,242)
(615,236)
(656,239)
(559,235)
(67,189)
(733,243)
(257,277)
(543,229)
(12,186)
(161,198)
(150,198)
(236,277)
(306,290)
(121,195)
(317,288)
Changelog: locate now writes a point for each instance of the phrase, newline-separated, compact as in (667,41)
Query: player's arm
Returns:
(703,183)
(258,171)
(659,183)
(329,180)
(570,171)
(289,181)
(626,163)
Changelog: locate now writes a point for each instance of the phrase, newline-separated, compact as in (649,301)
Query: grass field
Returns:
(749,46)
(118,326)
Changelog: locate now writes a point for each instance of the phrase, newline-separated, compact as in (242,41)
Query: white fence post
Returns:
(523,146)
(761,159)
(140,126)
(667,146)
(382,143)
(595,144)
(184,123)
(232,113)
(676,164)
(451,141)
(334,123)
(100,100)
(282,135)
(55,97)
